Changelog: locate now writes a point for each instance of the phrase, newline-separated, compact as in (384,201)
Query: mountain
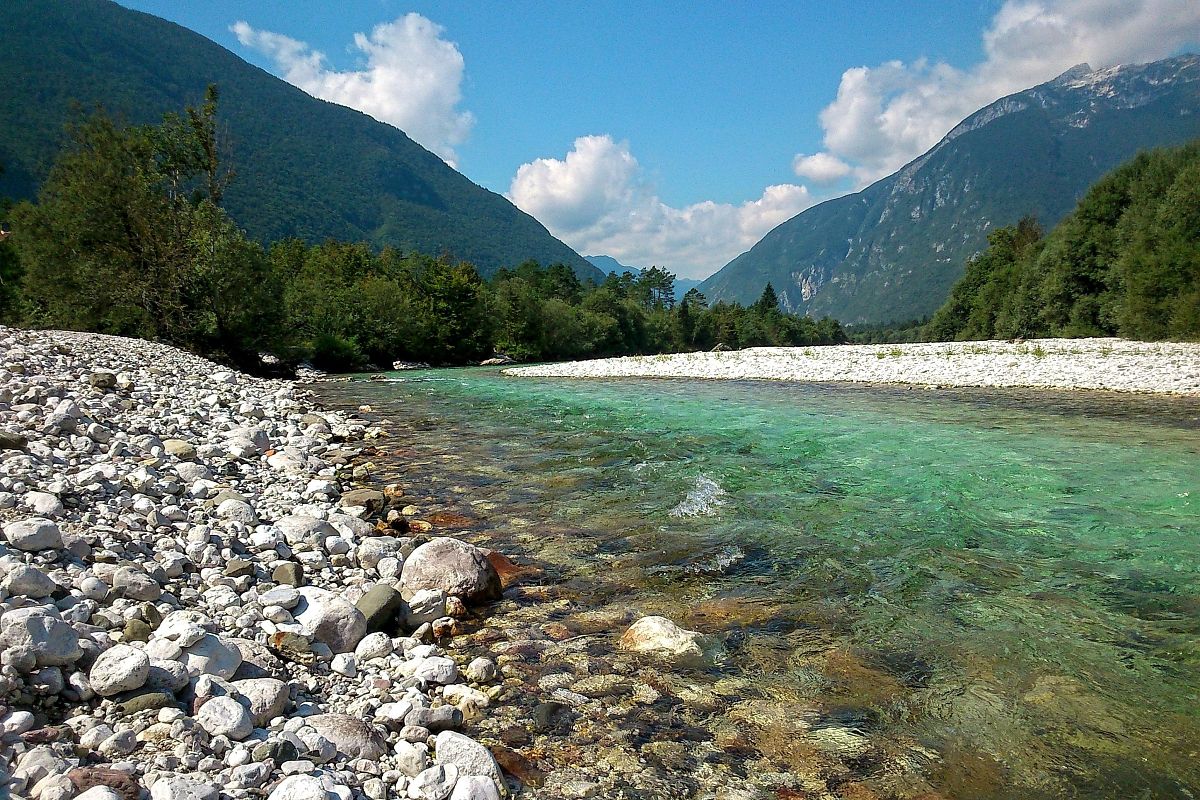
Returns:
(892,251)
(610,266)
(304,167)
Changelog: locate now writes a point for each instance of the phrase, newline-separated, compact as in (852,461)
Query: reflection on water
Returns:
(941,594)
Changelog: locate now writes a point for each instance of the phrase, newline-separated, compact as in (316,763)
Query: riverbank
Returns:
(196,601)
(1104,364)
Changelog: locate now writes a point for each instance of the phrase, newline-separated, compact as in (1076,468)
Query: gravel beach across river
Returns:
(195,602)
(1110,364)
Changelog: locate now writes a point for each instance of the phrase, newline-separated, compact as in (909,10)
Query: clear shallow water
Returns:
(971,594)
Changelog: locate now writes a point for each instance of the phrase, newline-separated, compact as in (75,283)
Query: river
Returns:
(910,593)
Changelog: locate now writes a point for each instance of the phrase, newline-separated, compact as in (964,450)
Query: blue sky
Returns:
(678,133)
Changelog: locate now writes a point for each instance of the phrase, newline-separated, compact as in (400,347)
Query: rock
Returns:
(238,567)
(473,787)
(326,617)
(44,504)
(661,637)
(99,793)
(300,787)
(424,606)
(379,606)
(412,758)
(373,645)
(102,379)
(135,584)
(468,755)
(353,737)
(39,763)
(224,716)
(302,529)
(124,784)
(434,669)
(369,499)
(183,787)
(237,511)
(435,783)
(268,698)
(12,441)
(145,702)
(289,573)
(435,719)
(481,670)
(35,533)
(210,655)
(136,630)
(282,596)
(121,668)
(26,581)
(50,639)
(455,567)
(517,765)
(181,449)
(278,750)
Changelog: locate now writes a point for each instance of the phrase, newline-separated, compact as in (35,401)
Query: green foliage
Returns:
(1126,262)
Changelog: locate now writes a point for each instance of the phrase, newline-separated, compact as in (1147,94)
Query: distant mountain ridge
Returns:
(610,266)
(305,167)
(893,250)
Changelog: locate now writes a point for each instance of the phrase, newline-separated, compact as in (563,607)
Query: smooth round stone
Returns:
(135,584)
(121,668)
(374,645)
(224,716)
(474,787)
(435,669)
(237,511)
(210,655)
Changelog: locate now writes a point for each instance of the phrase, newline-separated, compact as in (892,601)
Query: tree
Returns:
(767,301)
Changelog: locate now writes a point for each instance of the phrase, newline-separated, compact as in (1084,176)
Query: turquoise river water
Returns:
(912,593)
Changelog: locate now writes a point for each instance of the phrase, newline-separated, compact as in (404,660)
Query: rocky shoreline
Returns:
(1092,364)
(195,603)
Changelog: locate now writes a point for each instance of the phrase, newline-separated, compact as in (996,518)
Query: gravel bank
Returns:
(1112,364)
(195,603)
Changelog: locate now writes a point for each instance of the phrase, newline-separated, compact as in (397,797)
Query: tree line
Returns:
(128,237)
(1125,262)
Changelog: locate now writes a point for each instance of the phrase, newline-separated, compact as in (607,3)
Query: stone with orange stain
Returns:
(518,766)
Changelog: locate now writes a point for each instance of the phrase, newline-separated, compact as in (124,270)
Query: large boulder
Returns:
(457,568)
(326,617)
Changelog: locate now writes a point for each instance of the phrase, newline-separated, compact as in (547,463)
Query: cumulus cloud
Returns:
(411,78)
(884,116)
(820,167)
(597,200)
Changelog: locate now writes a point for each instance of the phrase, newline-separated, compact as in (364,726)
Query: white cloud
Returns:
(596,200)
(411,78)
(885,116)
(820,167)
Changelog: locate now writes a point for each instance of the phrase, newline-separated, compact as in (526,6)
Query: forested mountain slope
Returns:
(304,167)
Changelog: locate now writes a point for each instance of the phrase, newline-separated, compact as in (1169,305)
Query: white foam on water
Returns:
(703,500)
